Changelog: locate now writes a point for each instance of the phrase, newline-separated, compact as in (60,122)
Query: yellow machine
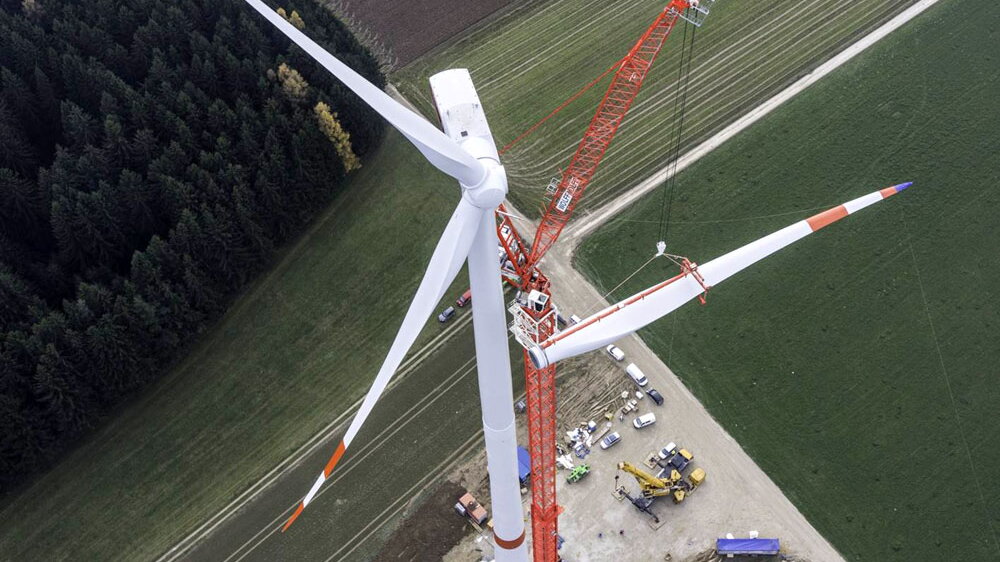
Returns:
(674,485)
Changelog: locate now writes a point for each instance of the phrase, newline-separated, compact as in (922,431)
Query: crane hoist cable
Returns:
(668,187)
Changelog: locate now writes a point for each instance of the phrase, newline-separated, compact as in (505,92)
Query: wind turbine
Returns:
(465,151)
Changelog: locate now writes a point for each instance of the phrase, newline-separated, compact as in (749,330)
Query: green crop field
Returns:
(294,352)
(527,62)
(861,367)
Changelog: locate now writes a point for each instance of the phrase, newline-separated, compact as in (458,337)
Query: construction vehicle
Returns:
(578,473)
(679,460)
(673,484)
(468,506)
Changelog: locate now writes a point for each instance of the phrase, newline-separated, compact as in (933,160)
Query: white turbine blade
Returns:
(449,255)
(444,153)
(637,311)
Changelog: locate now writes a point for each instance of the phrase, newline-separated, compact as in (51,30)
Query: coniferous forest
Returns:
(153,153)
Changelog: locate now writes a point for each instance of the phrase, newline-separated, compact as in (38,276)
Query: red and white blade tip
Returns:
(327,470)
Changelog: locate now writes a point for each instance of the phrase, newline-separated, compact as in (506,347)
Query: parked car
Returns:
(635,373)
(465,299)
(574,319)
(668,451)
(610,440)
(561,320)
(655,395)
(615,353)
(446,314)
(644,420)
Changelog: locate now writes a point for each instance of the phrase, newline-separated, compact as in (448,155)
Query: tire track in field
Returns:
(370,447)
(628,171)
(321,438)
(716,75)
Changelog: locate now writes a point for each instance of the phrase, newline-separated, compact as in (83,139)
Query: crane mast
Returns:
(534,315)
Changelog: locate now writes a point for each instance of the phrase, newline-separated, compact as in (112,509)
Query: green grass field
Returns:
(287,357)
(300,346)
(527,62)
(859,368)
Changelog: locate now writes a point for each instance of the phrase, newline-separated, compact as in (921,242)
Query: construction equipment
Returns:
(673,485)
(535,316)
(577,473)
(679,460)
(468,506)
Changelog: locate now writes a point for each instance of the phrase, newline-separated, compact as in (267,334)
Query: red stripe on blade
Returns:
(293,517)
(817,222)
(334,459)
(888,191)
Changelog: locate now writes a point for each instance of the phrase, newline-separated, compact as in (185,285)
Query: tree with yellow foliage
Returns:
(292,83)
(340,138)
(295,19)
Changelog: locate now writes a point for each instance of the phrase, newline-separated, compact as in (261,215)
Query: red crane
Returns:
(534,314)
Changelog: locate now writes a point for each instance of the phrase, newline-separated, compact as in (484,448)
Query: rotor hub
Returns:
(490,192)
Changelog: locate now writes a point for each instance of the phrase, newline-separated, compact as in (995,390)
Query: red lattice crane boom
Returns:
(534,315)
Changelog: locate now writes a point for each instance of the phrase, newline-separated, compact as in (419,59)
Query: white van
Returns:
(644,420)
(636,374)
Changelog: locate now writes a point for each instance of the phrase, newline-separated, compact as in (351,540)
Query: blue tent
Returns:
(523,464)
(747,547)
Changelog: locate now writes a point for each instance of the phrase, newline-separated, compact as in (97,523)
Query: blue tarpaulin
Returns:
(746,547)
(523,464)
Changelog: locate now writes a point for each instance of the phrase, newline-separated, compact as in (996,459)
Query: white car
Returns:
(668,451)
(615,353)
(636,374)
(610,440)
(644,420)
(574,319)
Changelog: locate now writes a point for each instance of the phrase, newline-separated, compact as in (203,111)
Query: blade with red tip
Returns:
(645,307)
(449,255)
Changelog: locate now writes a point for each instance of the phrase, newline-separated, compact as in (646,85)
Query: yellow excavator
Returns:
(673,485)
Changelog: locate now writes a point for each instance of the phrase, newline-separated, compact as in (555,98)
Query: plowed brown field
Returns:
(411,28)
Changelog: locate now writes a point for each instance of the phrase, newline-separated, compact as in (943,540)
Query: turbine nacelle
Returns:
(464,121)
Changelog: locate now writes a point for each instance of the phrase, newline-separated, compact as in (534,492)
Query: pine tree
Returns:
(152,155)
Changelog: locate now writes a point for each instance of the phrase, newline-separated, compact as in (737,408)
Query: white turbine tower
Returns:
(465,151)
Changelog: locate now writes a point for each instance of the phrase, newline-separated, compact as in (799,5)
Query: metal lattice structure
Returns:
(534,315)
